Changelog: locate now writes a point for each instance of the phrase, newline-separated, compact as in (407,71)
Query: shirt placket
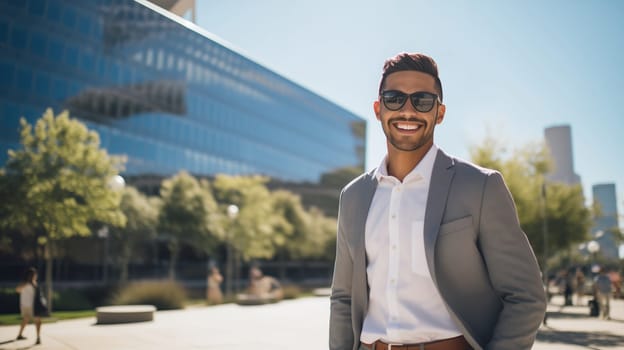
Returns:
(393,257)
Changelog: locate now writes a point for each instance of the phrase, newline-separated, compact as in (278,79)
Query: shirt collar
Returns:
(422,170)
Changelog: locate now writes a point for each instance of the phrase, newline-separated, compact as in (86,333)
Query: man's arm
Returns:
(512,267)
(340,325)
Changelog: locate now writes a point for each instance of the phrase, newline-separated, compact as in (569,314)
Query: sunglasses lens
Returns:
(393,100)
(423,101)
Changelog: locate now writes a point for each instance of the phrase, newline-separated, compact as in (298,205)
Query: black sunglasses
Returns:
(422,101)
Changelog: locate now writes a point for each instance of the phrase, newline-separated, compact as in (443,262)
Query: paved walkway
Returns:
(289,325)
(571,328)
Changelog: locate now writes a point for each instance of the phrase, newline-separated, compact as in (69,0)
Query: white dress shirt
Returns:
(404,304)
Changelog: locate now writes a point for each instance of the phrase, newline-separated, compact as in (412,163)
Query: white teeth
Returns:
(407,126)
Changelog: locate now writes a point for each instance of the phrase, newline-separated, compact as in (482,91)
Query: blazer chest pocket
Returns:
(456,226)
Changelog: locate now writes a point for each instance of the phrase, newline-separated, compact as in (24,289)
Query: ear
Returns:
(441,112)
(377,109)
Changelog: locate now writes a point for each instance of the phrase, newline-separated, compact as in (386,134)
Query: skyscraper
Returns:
(606,220)
(559,143)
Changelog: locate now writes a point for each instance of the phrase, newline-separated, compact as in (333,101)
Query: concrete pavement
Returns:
(300,324)
(571,328)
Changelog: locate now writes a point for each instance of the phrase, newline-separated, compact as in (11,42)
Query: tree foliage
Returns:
(142,219)
(253,233)
(188,215)
(567,218)
(59,183)
(310,232)
(60,179)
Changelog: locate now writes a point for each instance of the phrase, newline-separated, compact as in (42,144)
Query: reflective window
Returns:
(69,17)
(19,37)
(6,72)
(24,79)
(54,11)
(168,97)
(4,31)
(36,7)
(42,84)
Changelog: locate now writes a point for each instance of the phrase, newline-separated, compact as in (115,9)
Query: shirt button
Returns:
(394,247)
(393,216)
(392,281)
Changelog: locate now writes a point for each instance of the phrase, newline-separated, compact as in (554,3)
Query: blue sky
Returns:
(509,69)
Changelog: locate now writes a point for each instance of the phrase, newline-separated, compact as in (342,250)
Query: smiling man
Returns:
(430,254)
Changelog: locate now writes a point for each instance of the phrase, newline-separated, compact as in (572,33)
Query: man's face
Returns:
(407,129)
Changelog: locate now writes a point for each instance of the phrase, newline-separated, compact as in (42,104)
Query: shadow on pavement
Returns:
(593,340)
(561,314)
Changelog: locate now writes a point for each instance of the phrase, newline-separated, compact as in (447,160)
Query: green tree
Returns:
(141,212)
(291,225)
(59,181)
(253,231)
(252,234)
(321,237)
(306,234)
(188,214)
(308,231)
(567,218)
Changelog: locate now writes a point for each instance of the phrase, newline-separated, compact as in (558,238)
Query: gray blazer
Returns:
(479,258)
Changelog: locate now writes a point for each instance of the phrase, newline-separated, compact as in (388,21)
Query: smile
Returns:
(406,126)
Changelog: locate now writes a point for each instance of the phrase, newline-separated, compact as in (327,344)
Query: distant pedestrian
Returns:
(579,285)
(213,291)
(602,289)
(616,281)
(30,303)
(566,286)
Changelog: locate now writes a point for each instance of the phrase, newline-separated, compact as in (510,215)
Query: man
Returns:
(602,291)
(430,253)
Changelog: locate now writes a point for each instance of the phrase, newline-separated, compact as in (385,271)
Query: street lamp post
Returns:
(593,248)
(232,212)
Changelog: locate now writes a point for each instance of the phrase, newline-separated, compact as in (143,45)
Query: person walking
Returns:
(28,294)
(602,290)
(579,287)
(213,290)
(429,252)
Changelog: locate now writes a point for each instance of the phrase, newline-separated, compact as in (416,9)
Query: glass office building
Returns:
(165,93)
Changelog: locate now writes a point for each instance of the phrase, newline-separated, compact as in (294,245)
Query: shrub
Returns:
(164,295)
(291,291)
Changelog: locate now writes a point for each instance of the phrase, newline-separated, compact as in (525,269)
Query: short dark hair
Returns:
(29,274)
(411,61)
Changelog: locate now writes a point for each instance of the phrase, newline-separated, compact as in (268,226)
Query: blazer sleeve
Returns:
(512,267)
(340,325)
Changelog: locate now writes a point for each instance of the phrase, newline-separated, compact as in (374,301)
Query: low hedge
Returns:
(164,295)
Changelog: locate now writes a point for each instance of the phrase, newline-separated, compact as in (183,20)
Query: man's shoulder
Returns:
(466,167)
(363,179)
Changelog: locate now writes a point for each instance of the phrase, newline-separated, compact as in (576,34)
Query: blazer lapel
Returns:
(441,177)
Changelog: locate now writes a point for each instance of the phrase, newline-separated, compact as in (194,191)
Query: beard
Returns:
(410,143)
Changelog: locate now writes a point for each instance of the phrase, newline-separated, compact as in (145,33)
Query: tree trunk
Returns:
(124,261)
(174,250)
(282,264)
(237,268)
(228,270)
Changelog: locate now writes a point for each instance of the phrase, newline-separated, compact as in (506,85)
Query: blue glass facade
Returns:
(165,93)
